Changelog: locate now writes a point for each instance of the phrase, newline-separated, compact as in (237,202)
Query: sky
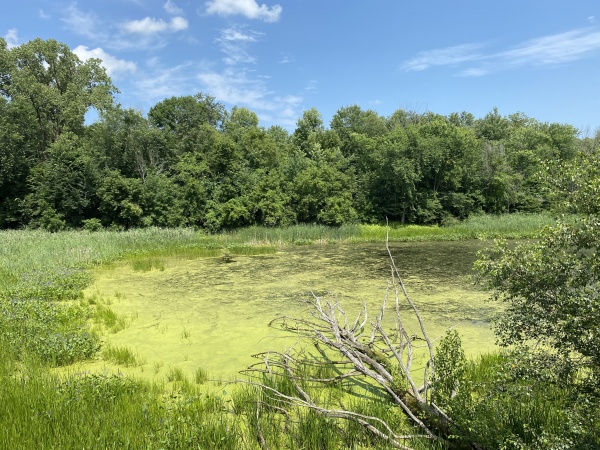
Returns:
(279,58)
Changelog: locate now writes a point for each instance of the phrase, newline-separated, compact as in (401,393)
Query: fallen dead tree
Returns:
(363,352)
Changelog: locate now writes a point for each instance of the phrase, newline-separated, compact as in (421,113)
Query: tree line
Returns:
(192,162)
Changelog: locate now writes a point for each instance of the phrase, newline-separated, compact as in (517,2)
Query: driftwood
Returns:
(383,359)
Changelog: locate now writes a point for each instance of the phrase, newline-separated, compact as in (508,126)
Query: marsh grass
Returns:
(201,375)
(175,374)
(501,407)
(41,410)
(122,356)
(513,226)
(145,264)
(43,321)
(107,319)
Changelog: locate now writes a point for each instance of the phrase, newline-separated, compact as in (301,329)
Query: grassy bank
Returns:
(514,226)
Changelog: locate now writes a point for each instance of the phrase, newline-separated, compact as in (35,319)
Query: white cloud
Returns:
(311,86)
(234,34)
(232,42)
(43,15)
(247,8)
(442,57)
(473,72)
(549,50)
(286,59)
(161,82)
(11,38)
(172,9)
(178,24)
(149,25)
(114,66)
(554,49)
(236,87)
(85,24)
(591,19)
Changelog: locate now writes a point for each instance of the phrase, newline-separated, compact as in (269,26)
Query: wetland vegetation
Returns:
(144,329)
(115,333)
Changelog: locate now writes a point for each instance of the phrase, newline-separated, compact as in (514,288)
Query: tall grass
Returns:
(40,410)
(49,256)
(513,226)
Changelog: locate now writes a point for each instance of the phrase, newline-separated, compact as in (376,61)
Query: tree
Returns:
(392,185)
(18,150)
(57,89)
(493,126)
(352,119)
(551,291)
(308,130)
(63,188)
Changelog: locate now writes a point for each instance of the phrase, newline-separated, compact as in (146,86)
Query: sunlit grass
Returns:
(108,319)
(122,356)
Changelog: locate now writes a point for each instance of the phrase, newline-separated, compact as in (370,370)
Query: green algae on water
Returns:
(206,313)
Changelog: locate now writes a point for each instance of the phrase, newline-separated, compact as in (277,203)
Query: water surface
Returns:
(214,314)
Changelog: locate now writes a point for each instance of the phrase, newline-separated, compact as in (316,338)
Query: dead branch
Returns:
(378,358)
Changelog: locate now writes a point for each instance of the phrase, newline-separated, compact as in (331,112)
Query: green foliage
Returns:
(550,291)
(505,410)
(547,386)
(92,225)
(192,163)
(450,364)
(51,333)
(53,86)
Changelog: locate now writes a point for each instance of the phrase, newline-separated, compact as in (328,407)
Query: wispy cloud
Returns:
(238,87)
(549,50)
(144,34)
(233,43)
(84,23)
(42,15)
(555,49)
(286,59)
(115,67)
(149,26)
(171,8)
(11,38)
(157,82)
(449,56)
(311,86)
(247,8)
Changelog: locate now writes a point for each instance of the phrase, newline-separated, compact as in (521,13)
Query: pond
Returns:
(209,313)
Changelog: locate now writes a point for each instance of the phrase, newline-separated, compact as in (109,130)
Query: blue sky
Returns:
(279,58)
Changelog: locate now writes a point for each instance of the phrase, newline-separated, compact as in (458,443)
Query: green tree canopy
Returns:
(57,89)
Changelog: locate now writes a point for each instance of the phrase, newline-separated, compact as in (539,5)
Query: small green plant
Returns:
(92,225)
(122,356)
(175,374)
(450,366)
(107,318)
(201,375)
